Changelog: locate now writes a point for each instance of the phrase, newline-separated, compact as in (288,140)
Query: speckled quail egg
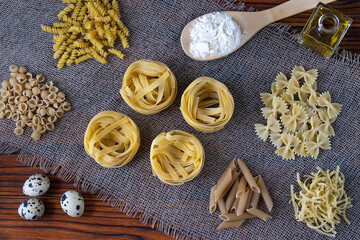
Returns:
(31,209)
(36,185)
(72,203)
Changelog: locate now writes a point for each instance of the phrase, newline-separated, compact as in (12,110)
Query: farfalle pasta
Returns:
(148,86)
(207,105)
(298,118)
(112,139)
(176,157)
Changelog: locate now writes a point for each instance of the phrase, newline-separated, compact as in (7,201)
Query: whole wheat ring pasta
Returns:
(231,197)
(241,187)
(265,194)
(112,139)
(230,224)
(249,178)
(207,105)
(234,217)
(258,213)
(176,157)
(242,203)
(148,86)
(212,204)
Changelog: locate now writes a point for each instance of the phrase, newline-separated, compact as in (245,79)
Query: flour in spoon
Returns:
(214,34)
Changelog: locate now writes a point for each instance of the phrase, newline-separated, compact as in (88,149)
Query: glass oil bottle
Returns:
(324,30)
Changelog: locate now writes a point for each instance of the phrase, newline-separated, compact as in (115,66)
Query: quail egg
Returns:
(72,203)
(36,185)
(31,209)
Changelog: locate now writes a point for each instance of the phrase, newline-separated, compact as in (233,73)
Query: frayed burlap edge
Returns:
(341,56)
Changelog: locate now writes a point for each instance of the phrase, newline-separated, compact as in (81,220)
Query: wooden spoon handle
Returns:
(291,8)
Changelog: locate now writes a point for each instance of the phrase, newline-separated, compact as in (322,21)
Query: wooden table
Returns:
(100,221)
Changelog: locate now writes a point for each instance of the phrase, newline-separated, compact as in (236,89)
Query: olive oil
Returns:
(324,30)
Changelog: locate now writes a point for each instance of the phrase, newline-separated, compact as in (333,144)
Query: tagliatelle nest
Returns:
(298,118)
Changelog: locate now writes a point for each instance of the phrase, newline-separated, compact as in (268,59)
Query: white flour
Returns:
(214,34)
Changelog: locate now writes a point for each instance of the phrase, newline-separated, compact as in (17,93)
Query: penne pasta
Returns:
(223,182)
(230,224)
(232,195)
(234,217)
(241,187)
(254,200)
(235,204)
(212,204)
(258,213)
(242,203)
(249,178)
(265,194)
(251,193)
(221,204)
(235,176)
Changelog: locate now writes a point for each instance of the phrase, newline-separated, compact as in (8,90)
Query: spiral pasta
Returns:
(112,139)
(88,24)
(176,157)
(207,105)
(148,86)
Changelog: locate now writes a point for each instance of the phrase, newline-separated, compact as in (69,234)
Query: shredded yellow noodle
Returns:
(112,139)
(148,86)
(321,201)
(207,105)
(176,157)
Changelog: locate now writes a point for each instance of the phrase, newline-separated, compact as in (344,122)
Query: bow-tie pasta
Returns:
(298,118)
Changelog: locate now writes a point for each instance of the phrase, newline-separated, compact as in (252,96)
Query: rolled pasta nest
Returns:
(148,86)
(112,139)
(176,157)
(207,105)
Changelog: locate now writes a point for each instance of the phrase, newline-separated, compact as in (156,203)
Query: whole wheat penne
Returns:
(256,196)
(251,193)
(231,197)
(242,203)
(249,178)
(221,204)
(258,213)
(234,217)
(235,204)
(265,194)
(241,188)
(212,203)
(230,224)
(235,176)
(223,182)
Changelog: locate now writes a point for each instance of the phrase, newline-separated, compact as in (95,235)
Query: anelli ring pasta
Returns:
(207,105)
(176,157)
(112,139)
(148,86)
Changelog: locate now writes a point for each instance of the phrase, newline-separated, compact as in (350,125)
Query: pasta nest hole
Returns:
(207,105)
(176,157)
(148,86)
(112,139)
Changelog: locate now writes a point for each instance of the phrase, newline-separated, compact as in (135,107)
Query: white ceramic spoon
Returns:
(252,22)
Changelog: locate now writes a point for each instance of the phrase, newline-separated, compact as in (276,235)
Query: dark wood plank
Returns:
(99,221)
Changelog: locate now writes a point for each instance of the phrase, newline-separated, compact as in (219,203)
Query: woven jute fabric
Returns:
(181,211)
